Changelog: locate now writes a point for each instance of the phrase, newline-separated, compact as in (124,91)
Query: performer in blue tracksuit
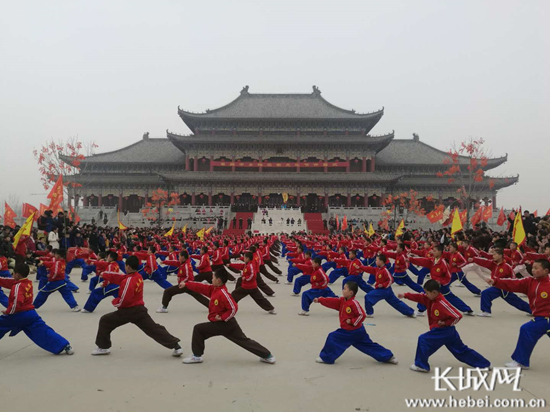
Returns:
(4,273)
(21,316)
(319,287)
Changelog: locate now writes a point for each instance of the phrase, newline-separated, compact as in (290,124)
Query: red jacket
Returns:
(348,309)
(20,299)
(306,268)
(151,264)
(3,264)
(498,271)
(319,279)
(438,309)
(249,274)
(185,272)
(130,293)
(204,264)
(217,259)
(438,270)
(455,261)
(111,267)
(221,301)
(401,260)
(56,269)
(383,277)
(536,289)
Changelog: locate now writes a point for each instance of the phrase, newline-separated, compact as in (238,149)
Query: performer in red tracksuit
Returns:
(204,268)
(152,271)
(537,289)
(319,287)
(221,314)
(131,309)
(21,316)
(248,286)
(442,317)
(185,274)
(352,331)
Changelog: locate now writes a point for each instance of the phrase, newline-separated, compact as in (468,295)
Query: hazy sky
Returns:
(108,71)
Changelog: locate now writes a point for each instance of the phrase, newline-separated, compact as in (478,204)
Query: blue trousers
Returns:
(41,273)
(341,339)
(35,328)
(75,262)
(336,274)
(309,295)
(93,283)
(461,276)
(171,269)
(420,273)
(50,287)
(121,265)
(402,278)
(292,271)
(99,294)
(492,293)
(4,300)
(327,265)
(156,277)
(364,286)
(300,282)
(529,334)
(86,270)
(386,294)
(430,342)
(72,287)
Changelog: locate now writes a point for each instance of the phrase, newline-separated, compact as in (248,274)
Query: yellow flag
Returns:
(200,234)
(400,228)
(518,233)
(25,230)
(171,231)
(120,225)
(209,230)
(457,222)
(371,230)
(184,229)
(285,197)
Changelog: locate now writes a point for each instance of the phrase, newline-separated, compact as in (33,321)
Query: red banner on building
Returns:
(279,164)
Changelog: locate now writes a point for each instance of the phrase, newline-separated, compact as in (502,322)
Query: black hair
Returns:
(318,260)
(440,247)
(217,244)
(432,285)
(544,263)
(383,258)
(454,245)
(22,269)
(113,255)
(252,249)
(498,251)
(353,287)
(204,249)
(249,255)
(102,255)
(132,262)
(307,252)
(353,251)
(547,246)
(221,274)
(185,254)
(60,252)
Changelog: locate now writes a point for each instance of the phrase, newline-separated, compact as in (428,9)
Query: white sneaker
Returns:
(413,316)
(303,313)
(294,294)
(484,314)
(515,364)
(75,309)
(415,368)
(193,359)
(270,359)
(393,360)
(476,295)
(162,309)
(470,313)
(177,352)
(370,316)
(89,292)
(459,285)
(272,312)
(271,296)
(99,351)
(288,283)
(418,313)
(319,360)
(69,350)
(84,311)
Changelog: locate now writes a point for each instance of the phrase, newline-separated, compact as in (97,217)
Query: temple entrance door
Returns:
(314,204)
(133,204)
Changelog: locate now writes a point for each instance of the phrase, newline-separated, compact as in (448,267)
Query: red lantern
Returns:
(184,195)
(125,197)
(220,196)
(357,197)
(110,197)
(291,197)
(337,197)
(201,196)
(355,160)
(374,197)
(266,197)
(139,197)
(203,160)
(320,197)
(253,197)
(238,197)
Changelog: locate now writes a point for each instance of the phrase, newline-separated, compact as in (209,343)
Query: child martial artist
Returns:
(152,271)
(537,289)
(221,314)
(352,331)
(21,316)
(4,273)
(107,289)
(248,285)
(56,282)
(319,287)
(442,318)
(131,309)
(204,268)
(185,274)
(499,270)
(383,290)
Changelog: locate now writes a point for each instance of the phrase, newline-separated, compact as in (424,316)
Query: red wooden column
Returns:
(211,163)
(364,167)
(233,162)
(209,198)
(347,167)
(366,200)
(85,201)
(100,200)
(348,202)
(372,164)
(232,198)
(260,165)
(325,168)
(259,199)
(193,198)
(186,162)
(195,164)
(326,200)
(120,202)
(298,165)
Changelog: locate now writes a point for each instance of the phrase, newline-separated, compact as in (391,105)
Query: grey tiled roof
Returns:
(149,151)
(411,152)
(280,106)
(499,182)
(228,177)
(118,178)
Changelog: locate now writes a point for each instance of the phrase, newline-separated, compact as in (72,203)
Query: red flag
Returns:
(487,213)
(345,222)
(449,220)
(536,213)
(512,214)
(548,213)
(9,215)
(73,215)
(435,215)
(56,195)
(501,217)
(463,216)
(43,208)
(28,210)
(337,223)
(476,218)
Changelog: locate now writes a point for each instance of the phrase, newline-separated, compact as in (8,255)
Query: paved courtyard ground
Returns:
(140,375)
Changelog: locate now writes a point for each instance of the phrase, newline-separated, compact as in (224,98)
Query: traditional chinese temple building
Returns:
(262,148)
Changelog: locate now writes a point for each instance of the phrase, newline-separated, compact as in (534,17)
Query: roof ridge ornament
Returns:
(416,137)
(146,136)
(244,90)
(316,91)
